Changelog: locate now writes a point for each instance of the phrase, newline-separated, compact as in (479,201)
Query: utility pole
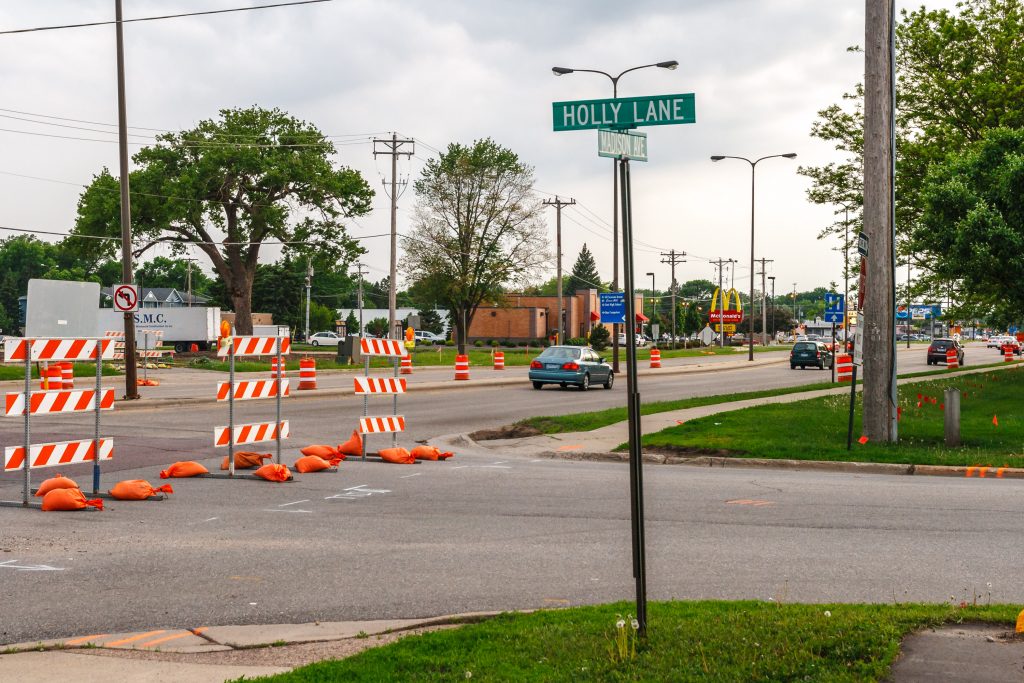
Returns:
(393,147)
(188,280)
(558,204)
(880,404)
(131,388)
(772,278)
(309,284)
(673,257)
(360,271)
(764,295)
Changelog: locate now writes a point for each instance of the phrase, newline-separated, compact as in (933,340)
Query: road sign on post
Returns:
(617,144)
(613,307)
(624,112)
(835,307)
(126,298)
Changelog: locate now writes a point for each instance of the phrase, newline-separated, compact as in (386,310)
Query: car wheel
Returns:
(821,365)
(610,382)
(792,367)
(586,383)
(315,343)
(561,385)
(538,385)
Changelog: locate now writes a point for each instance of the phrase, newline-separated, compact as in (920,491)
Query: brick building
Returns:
(524,317)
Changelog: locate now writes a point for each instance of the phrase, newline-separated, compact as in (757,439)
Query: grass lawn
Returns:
(815,429)
(17,371)
(687,641)
(583,422)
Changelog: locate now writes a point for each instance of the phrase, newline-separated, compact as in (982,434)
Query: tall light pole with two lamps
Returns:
(562,71)
(753,167)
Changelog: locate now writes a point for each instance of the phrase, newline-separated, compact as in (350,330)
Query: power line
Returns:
(164,16)
(118,239)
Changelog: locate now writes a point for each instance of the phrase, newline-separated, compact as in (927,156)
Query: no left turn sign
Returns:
(126,298)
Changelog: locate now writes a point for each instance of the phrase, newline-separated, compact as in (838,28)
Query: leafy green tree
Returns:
(378,327)
(351,324)
(699,290)
(477,229)
(167,272)
(430,320)
(320,317)
(548,287)
(690,321)
(584,273)
(228,186)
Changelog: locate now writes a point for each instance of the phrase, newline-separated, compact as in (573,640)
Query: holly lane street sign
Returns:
(624,112)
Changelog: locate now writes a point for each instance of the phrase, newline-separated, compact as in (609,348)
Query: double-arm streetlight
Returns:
(753,167)
(562,71)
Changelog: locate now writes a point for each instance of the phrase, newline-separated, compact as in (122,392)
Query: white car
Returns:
(425,337)
(325,339)
(640,341)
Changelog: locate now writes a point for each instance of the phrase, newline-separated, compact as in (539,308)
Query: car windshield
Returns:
(560,353)
(941,343)
(805,346)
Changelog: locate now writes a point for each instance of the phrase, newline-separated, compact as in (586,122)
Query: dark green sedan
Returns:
(813,353)
(576,365)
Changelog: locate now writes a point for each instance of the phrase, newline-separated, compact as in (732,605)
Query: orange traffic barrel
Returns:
(844,367)
(655,358)
(461,367)
(274,372)
(952,361)
(51,378)
(499,360)
(307,373)
(67,375)
(407,364)
(1008,353)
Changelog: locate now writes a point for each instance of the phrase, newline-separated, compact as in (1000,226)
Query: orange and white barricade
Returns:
(277,371)
(655,358)
(276,388)
(51,378)
(952,360)
(28,403)
(844,367)
(365,386)
(307,374)
(461,367)
(499,360)
(407,364)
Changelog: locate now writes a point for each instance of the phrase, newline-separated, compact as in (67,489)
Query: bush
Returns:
(545,343)
(449,342)
(200,362)
(577,341)
(535,344)
(600,337)
(495,343)
(478,342)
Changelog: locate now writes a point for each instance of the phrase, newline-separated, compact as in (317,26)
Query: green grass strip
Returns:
(687,641)
(17,371)
(991,427)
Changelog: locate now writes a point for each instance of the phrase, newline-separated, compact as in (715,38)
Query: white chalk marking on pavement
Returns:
(483,467)
(499,462)
(284,505)
(354,492)
(211,519)
(540,460)
(10,564)
(411,475)
(308,512)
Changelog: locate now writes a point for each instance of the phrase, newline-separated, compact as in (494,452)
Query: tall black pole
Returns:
(635,452)
(131,389)
(750,320)
(615,240)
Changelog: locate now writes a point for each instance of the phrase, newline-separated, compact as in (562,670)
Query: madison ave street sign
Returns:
(624,112)
(617,144)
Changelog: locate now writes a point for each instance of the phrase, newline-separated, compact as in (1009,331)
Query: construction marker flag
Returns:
(862,440)
(995,420)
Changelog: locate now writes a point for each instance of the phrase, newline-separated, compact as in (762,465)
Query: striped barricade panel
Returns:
(114,333)
(246,390)
(54,454)
(379,385)
(56,349)
(153,354)
(47,402)
(382,425)
(251,433)
(382,347)
(256,346)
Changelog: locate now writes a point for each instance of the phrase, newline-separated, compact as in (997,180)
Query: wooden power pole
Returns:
(879,222)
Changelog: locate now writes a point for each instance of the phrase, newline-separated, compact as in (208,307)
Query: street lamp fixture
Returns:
(753,167)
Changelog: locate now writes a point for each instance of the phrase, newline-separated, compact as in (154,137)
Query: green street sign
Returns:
(621,143)
(624,112)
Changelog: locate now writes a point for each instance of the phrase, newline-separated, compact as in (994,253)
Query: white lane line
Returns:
(499,462)
(211,519)
(540,460)
(411,475)
(308,512)
(10,564)
(284,505)
(483,467)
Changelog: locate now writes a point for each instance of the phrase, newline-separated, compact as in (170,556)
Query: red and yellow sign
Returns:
(721,312)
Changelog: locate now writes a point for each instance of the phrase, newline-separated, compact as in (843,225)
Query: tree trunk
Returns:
(879,307)
(460,333)
(241,298)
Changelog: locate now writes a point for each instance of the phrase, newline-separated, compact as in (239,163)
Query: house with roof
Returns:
(159,297)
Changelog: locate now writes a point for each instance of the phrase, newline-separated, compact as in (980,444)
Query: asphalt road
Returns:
(480,532)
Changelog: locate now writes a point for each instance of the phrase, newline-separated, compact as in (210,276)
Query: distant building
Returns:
(159,297)
(522,317)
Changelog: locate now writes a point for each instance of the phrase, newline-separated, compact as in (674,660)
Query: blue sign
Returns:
(834,317)
(613,307)
(834,303)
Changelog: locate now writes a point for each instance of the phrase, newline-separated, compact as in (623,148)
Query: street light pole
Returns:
(772,278)
(753,168)
(654,304)
(562,71)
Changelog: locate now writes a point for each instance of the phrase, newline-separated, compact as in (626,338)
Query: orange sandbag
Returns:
(354,446)
(68,499)
(185,468)
(137,489)
(430,453)
(325,452)
(272,472)
(311,463)
(57,482)
(397,455)
(244,460)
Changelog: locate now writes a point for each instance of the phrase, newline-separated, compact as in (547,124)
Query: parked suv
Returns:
(813,353)
(939,347)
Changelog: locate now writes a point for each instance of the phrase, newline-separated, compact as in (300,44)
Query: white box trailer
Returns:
(182,326)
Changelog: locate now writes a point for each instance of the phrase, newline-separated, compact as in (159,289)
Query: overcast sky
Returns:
(458,70)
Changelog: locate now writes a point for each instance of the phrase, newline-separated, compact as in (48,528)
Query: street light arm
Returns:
(561,71)
(670,65)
